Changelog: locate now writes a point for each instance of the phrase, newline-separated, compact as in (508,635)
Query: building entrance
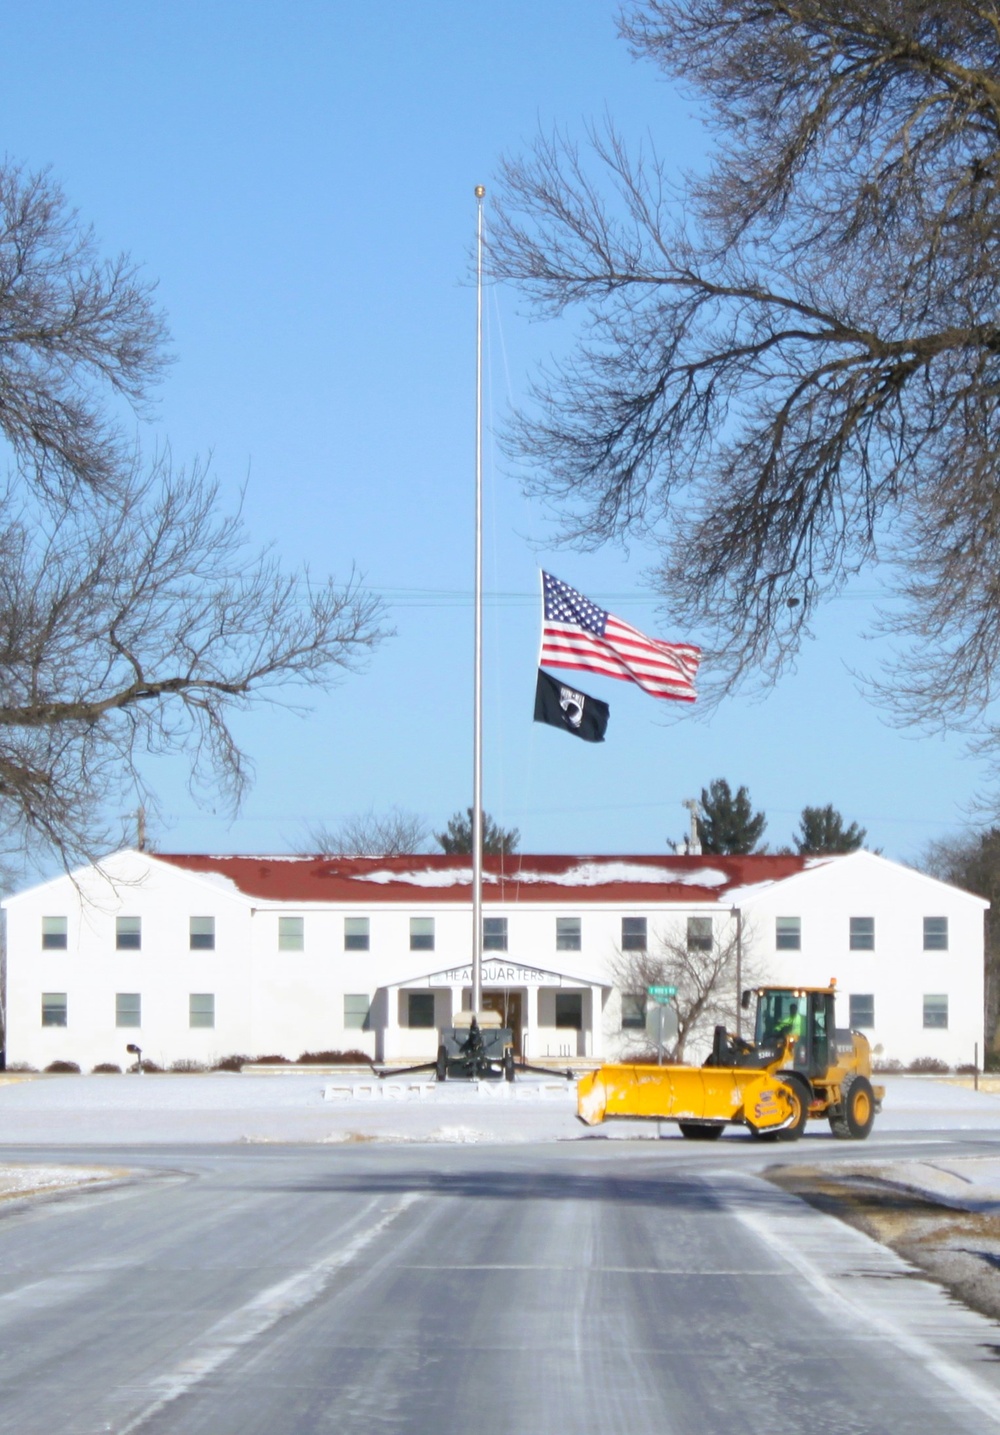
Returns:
(509,1006)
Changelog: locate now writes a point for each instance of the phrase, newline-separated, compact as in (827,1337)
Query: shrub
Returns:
(105,1066)
(21,1066)
(186,1064)
(148,1065)
(271,1061)
(232,1063)
(887,1064)
(333,1058)
(968,1068)
(928,1066)
(63,1068)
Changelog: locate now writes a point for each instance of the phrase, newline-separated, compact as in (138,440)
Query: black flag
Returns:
(559,705)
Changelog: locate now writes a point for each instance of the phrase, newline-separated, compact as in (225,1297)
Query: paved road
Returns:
(429,1291)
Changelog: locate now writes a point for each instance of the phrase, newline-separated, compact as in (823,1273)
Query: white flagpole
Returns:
(477,706)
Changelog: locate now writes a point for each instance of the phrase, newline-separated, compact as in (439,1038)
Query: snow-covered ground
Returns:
(315,1107)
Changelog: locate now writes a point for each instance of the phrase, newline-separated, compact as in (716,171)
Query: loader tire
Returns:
(856,1115)
(792,1132)
(701,1130)
(441,1065)
(508,1066)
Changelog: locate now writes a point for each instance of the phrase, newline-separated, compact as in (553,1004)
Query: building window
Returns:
(699,935)
(201,1009)
(494,934)
(291,934)
(568,934)
(862,934)
(569,1010)
(633,1011)
(420,1009)
(862,1011)
(356,1008)
(935,935)
(128,1009)
(421,934)
(936,1012)
(54,1008)
(788,934)
(54,934)
(201,934)
(356,934)
(128,934)
(633,934)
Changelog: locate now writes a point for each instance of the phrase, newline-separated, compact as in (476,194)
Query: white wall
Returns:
(899,972)
(271,1001)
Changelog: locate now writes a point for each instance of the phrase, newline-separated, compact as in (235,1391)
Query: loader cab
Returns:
(805,1013)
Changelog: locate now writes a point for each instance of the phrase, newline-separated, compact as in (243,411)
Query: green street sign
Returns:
(661,994)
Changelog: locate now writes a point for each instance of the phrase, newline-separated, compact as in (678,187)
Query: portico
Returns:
(552,1014)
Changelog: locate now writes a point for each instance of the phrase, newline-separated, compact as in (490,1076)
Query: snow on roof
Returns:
(517,877)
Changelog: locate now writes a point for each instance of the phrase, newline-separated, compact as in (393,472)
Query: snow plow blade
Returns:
(687,1094)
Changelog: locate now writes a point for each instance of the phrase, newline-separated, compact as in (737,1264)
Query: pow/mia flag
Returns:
(559,705)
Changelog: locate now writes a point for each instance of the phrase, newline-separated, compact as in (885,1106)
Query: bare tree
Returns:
(789,366)
(701,963)
(134,618)
(372,834)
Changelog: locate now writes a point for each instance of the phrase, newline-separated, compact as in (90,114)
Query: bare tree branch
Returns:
(371,834)
(702,965)
(135,620)
(788,367)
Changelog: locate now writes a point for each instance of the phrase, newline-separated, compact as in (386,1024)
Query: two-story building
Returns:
(194,958)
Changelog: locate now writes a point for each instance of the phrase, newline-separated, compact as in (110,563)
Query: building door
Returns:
(508,1004)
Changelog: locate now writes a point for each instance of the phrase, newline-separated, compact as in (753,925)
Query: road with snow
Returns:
(451,1282)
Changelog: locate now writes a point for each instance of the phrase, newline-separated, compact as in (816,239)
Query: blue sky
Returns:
(299,177)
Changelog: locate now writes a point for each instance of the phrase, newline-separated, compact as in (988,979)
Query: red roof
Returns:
(434,877)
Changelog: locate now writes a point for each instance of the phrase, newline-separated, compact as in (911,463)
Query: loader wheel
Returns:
(795,1083)
(441,1065)
(857,1111)
(508,1066)
(800,1092)
(701,1130)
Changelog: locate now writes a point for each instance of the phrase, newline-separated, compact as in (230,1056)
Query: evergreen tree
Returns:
(728,824)
(458,836)
(823,830)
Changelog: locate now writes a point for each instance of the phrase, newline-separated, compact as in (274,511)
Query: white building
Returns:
(197,958)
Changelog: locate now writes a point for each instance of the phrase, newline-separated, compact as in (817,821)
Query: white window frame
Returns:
(128,1005)
(291,934)
(788,938)
(201,1010)
(569,934)
(201,934)
(635,934)
(357,1011)
(357,934)
(422,936)
(128,934)
(55,1009)
(55,934)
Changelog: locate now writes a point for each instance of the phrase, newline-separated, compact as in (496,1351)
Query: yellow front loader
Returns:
(798,1066)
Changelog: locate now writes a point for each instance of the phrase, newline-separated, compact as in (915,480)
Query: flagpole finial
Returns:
(480,190)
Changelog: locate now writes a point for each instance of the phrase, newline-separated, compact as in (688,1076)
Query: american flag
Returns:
(576,633)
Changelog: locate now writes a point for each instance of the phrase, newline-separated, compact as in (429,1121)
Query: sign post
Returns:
(662,1019)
